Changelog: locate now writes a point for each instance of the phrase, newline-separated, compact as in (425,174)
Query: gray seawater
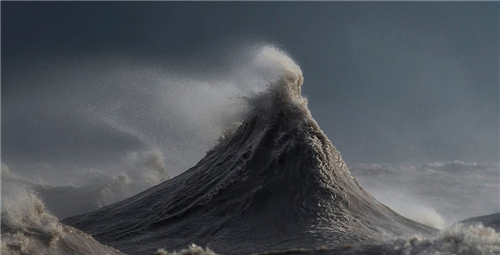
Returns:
(275,185)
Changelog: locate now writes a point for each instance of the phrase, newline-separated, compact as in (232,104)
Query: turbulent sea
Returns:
(273,184)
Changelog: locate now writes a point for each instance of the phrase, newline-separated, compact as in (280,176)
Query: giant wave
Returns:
(276,183)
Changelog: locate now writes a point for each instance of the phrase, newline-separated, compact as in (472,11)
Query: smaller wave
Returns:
(100,188)
(27,228)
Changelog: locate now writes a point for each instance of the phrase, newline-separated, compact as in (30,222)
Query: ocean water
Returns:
(273,183)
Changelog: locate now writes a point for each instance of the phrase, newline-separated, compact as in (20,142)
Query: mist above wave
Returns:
(112,127)
(90,112)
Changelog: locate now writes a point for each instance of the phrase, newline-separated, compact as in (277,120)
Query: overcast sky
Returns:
(387,81)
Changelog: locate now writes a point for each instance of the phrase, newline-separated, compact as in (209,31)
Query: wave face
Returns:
(276,183)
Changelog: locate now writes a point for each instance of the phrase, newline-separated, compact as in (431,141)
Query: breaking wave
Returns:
(99,188)
(27,228)
(276,183)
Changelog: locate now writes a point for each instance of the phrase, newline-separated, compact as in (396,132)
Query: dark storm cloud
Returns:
(388,82)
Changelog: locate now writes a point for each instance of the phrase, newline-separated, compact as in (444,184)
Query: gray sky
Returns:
(387,81)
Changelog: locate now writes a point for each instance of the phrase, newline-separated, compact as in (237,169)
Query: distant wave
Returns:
(438,191)
(491,220)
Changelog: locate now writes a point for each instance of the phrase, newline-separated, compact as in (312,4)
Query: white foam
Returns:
(193,249)
(27,228)
(457,240)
